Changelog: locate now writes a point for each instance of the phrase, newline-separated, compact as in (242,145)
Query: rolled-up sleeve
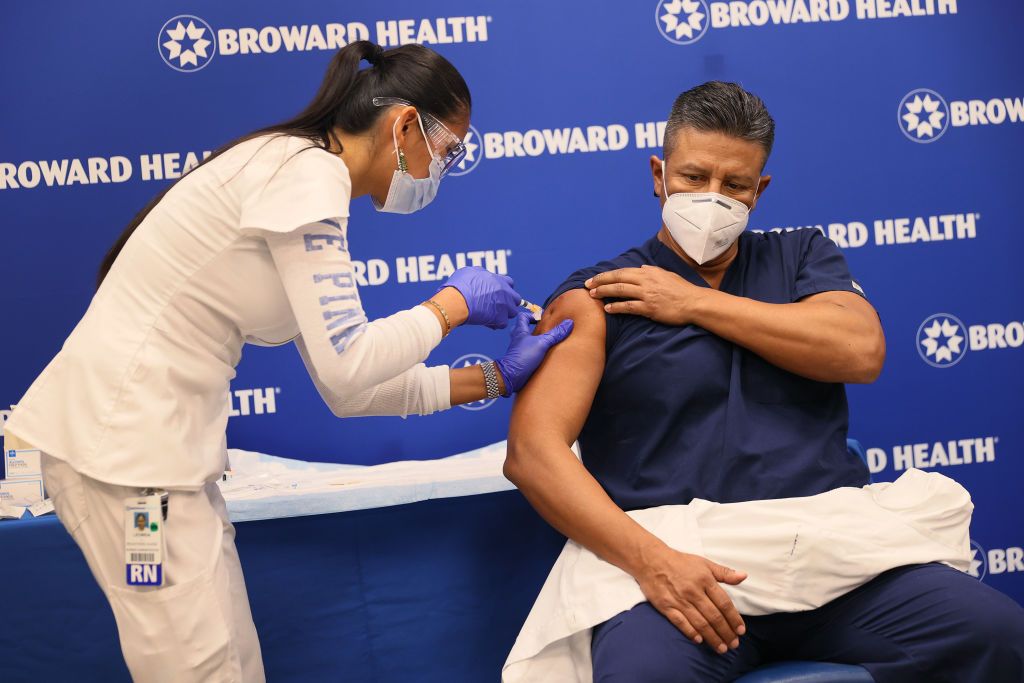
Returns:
(822,268)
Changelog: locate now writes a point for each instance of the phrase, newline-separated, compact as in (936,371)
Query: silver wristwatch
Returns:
(491,379)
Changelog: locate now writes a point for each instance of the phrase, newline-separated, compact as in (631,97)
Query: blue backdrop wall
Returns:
(899,135)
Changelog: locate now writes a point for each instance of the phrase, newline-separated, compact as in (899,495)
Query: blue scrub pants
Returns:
(926,623)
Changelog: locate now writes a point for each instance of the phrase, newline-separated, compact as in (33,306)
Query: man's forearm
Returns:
(570,499)
(820,340)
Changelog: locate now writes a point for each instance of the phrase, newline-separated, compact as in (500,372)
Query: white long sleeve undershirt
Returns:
(359,367)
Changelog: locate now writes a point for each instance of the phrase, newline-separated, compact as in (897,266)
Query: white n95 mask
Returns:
(703,224)
(406,193)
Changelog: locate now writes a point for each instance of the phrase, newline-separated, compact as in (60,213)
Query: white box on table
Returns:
(22,492)
(23,482)
(22,463)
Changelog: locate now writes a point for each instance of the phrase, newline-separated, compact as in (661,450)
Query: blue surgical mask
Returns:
(408,194)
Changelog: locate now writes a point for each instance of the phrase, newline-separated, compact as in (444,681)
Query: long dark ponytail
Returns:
(411,72)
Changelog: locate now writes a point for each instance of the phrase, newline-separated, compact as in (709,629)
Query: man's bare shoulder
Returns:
(586,312)
(559,395)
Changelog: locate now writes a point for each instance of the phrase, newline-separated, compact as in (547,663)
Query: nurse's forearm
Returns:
(468,385)
(568,497)
(449,302)
(417,391)
(828,337)
(348,353)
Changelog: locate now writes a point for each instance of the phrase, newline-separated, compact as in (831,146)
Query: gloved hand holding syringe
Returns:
(493,302)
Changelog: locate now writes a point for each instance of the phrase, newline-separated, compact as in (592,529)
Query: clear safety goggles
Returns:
(444,145)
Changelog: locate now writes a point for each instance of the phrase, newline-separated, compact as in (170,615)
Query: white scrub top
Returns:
(138,395)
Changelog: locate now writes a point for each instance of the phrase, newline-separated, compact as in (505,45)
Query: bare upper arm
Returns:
(868,343)
(557,399)
(850,301)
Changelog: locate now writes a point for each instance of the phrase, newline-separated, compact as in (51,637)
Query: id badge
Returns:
(143,541)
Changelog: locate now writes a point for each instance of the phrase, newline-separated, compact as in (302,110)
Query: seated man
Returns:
(710,362)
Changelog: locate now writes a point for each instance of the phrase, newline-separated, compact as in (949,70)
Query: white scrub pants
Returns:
(195,627)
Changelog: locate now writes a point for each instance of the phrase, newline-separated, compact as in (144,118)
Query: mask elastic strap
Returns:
(426,140)
(664,185)
(756,187)
(402,166)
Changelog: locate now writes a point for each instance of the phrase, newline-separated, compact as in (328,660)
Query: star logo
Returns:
(185,43)
(940,340)
(979,563)
(473,156)
(682,21)
(923,115)
(469,360)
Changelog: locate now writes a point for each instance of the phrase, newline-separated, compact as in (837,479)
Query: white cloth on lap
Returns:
(799,554)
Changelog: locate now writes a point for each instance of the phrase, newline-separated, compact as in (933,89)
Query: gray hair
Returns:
(723,108)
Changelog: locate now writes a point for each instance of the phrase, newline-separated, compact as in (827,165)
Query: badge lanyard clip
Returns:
(164,496)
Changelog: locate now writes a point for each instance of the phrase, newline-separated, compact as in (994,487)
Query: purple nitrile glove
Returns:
(526,352)
(490,298)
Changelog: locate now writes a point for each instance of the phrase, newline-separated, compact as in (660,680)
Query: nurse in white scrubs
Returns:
(252,247)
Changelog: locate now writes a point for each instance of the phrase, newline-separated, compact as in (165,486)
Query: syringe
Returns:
(536,310)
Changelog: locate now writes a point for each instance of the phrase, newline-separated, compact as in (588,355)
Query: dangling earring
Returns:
(403,166)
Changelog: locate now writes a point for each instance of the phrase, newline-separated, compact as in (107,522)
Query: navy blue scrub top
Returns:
(681,413)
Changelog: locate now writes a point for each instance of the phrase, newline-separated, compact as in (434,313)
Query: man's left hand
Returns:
(649,291)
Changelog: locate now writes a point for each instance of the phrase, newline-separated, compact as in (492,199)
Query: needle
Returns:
(536,310)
